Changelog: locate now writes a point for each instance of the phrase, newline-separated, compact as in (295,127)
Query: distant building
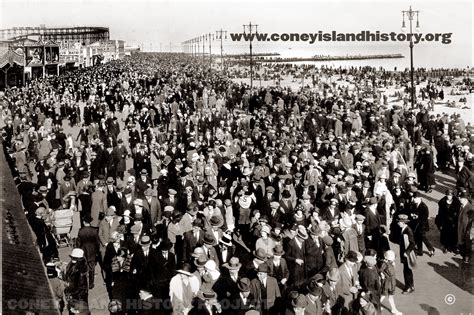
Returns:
(131,49)
(11,67)
(102,52)
(64,36)
(78,46)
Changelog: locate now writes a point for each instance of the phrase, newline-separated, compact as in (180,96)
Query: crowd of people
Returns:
(199,195)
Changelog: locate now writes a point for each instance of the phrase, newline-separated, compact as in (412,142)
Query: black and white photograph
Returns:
(191,157)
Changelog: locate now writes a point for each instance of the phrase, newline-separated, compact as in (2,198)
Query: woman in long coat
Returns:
(120,267)
(425,167)
(447,220)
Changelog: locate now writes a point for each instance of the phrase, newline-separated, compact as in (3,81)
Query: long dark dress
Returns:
(447,221)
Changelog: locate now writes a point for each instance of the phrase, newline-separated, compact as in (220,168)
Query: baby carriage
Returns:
(62,221)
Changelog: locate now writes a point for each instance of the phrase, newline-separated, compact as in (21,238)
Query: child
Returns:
(387,271)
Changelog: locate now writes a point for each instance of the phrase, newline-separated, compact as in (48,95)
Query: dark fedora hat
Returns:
(278,250)
(260,254)
(185,270)
(351,256)
(165,244)
(216,221)
(244,285)
(209,239)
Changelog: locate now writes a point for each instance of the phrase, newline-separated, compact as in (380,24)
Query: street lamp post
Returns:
(211,38)
(251,27)
(203,48)
(219,36)
(198,46)
(410,15)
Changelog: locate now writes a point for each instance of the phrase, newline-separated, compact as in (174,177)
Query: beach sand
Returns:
(440,107)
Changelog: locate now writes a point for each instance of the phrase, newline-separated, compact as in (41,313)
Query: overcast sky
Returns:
(155,22)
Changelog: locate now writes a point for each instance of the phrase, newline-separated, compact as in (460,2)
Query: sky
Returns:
(151,23)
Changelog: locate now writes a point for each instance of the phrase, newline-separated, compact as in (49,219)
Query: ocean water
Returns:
(435,55)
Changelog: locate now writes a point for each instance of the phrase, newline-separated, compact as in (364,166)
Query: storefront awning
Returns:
(10,57)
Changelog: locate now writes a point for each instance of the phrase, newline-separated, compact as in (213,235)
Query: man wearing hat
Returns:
(171,200)
(225,250)
(223,192)
(67,185)
(295,256)
(141,160)
(266,291)
(364,194)
(193,239)
(313,298)
(298,305)
(206,303)
(57,285)
(113,198)
(216,221)
(109,224)
(243,301)
(152,205)
(359,227)
(88,241)
(332,292)
(183,287)
(99,205)
(331,213)
(313,252)
(447,220)
(227,285)
(201,188)
(407,255)
(373,220)
(189,217)
(349,279)
(142,184)
(278,268)
(141,265)
(275,214)
(259,257)
(209,243)
(83,183)
(119,157)
(149,303)
(76,279)
(464,223)
(419,214)
(164,267)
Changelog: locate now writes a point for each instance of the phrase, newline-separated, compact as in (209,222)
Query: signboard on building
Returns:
(34,56)
(52,55)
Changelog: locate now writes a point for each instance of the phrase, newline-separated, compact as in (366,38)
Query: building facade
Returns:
(71,40)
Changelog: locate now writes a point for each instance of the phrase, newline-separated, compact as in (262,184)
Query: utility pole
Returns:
(219,36)
(252,29)
(410,15)
(211,38)
(198,46)
(203,49)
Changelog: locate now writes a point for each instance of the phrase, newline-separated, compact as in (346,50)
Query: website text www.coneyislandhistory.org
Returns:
(333,36)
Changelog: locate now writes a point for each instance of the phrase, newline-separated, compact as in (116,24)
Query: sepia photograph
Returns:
(191,157)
